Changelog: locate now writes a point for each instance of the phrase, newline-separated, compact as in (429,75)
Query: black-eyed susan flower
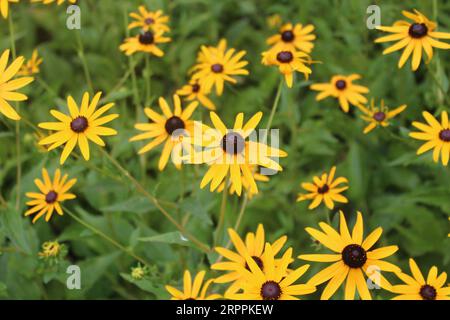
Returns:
(58,2)
(288,62)
(253,247)
(31,66)
(353,256)
(50,249)
(379,116)
(4,7)
(413,37)
(145,41)
(275,282)
(52,194)
(325,189)
(294,37)
(232,152)
(416,287)
(149,20)
(8,86)
(217,65)
(169,127)
(436,134)
(193,290)
(81,125)
(195,91)
(342,88)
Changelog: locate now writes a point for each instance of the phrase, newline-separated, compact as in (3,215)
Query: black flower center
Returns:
(149,21)
(341,84)
(146,37)
(444,135)
(195,87)
(79,124)
(354,256)
(323,189)
(258,262)
(379,116)
(285,56)
(233,143)
(418,30)
(428,292)
(51,197)
(217,68)
(270,290)
(174,123)
(287,36)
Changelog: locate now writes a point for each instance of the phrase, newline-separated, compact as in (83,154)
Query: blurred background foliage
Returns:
(408,196)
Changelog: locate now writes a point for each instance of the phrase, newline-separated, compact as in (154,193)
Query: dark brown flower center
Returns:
(146,38)
(428,292)
(217,68)
(195,87)
(79,124)
(285,56)
(233,143)
(287,36)
(354,256)
(149,21)
(323,189)
(51,197)
(444,135)
(174,123)
(270,290)
(258,262)
(418,30)
(341,84)
(379,116)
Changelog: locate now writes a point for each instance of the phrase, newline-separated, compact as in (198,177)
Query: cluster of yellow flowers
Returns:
(255,270)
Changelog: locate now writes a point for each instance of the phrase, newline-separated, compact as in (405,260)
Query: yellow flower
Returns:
(145,41)
(194,91)
(436,135)
(59,2)
(274,283)
(324,189)
(352,257)
(31,66)
(4,7)
(50,249)
(342,88)
(378,116)
(192,290)
(294,37)
(217,65)
(412,37)
(288,61)
(8,86)
(51,194)
(228,151)
(417,288)
(146,20)
(253,247)
(169,127)
(245,183)
(80,126)
(139,272)
(274,21)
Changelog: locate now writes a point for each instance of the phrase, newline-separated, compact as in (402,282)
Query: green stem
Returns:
(223,207)
(156,203)
(84,63)
(274,106)
(106,237)
(46,87)
(148,80)
(18,135)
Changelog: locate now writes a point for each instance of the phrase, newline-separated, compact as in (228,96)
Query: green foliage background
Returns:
(408,196)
